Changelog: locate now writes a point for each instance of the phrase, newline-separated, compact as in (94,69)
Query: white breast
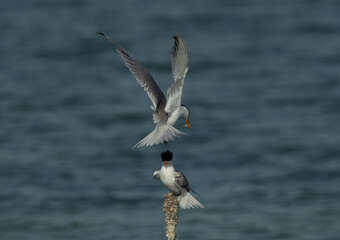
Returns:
(167,176)
(174,117)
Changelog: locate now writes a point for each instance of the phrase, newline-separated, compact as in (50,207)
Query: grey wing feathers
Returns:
(179,58)
(182,181)
(179,61)
(156,175)
(141,74)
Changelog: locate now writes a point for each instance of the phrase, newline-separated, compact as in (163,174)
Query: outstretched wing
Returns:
(143,77)
(179,61)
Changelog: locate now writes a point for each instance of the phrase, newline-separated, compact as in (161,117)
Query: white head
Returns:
(184,113)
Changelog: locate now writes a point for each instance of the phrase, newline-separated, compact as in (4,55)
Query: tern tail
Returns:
(186,201)
(162,133)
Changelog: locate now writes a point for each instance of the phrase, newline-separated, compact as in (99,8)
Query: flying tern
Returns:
(176,182)
(166,111)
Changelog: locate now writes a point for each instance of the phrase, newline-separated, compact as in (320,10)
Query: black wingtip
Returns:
(191,190)
(167,155)
(100,33)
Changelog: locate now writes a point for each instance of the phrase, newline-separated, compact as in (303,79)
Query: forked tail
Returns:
(162,133)
(186,201)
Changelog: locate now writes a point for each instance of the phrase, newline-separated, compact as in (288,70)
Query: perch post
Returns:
(171,215)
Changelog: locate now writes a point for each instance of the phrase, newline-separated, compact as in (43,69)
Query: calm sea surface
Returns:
(264,94)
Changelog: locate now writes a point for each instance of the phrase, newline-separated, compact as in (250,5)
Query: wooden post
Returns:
(171,215)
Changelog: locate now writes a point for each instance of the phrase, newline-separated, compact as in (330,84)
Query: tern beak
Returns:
(188,124)
(165,163)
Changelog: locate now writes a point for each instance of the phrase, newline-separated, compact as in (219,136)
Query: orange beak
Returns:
(165,163)
(188,124)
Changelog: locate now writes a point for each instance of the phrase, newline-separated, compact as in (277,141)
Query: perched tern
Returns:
(166,111)
(176,182)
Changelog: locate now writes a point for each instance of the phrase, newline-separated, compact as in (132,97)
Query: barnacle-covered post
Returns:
(171,215)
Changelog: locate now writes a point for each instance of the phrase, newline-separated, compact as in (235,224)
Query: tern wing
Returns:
(181,180)
(143,77)
(186,200)
(179,61)
(156,175)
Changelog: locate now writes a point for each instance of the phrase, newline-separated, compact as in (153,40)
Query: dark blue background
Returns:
(264,93)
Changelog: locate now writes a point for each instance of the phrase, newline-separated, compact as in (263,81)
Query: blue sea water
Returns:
(264,94)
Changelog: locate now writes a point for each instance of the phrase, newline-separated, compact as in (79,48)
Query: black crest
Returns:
(166,155)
